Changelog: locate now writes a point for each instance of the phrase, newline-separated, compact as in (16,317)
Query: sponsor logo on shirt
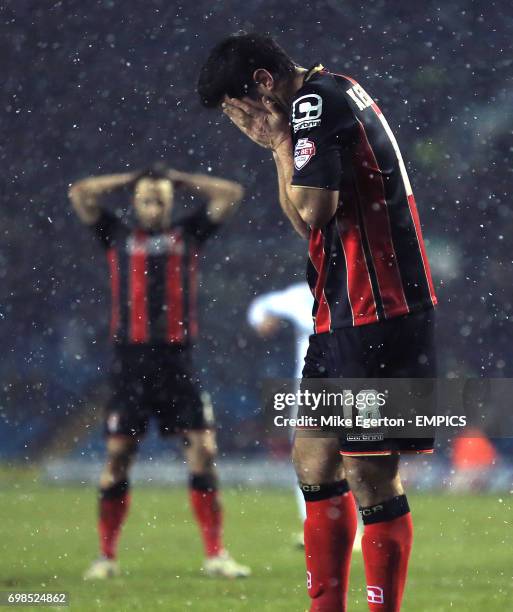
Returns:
(303,152)
(160,244)
(306,112)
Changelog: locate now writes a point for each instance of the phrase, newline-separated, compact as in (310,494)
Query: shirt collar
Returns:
(311,71)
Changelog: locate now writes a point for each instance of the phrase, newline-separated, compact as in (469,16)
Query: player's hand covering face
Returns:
(263,121)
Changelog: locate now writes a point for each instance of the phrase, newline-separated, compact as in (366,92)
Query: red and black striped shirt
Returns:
(154,279)
(369,262)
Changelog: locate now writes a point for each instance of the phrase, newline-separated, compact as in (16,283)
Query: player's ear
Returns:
(263,77)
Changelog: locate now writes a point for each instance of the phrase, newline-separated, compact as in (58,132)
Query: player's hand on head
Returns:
(177,178)
(255,119)
(249,118)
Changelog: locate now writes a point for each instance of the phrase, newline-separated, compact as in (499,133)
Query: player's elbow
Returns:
(75,194)
(235,192)
(81,202)
(316,218)
(316,207)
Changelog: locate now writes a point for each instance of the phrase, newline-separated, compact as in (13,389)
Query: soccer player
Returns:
(153,267)
(293,304)
(343,185)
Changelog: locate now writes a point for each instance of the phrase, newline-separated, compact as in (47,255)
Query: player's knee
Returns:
(201,451)
(312,469)
(204,458)
(373,480)
(120,453)
(203,481)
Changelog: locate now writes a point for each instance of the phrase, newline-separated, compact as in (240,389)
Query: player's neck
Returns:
(294,85)
(153,230)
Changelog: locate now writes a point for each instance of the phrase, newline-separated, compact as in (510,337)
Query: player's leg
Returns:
(406,350)
(330,523)
(388,531)
(300,500)
(200,453)
(114,496)
(113,503)
(298,537)
(182,409)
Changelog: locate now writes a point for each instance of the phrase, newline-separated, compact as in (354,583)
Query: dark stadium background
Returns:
(102,86)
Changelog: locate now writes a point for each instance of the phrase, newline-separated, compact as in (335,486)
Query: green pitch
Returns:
(462,558)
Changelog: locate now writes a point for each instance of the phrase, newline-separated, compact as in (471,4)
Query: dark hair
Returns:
(156,171)
(231,63)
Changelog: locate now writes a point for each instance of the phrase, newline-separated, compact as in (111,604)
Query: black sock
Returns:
(118,489)
(203,482)
(385,511)
(319,492)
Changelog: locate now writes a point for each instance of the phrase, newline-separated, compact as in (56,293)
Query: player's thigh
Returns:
(179,403)
(373,479)
(317,460)
(121,451)
(121,446)
(200,449)
(126,413)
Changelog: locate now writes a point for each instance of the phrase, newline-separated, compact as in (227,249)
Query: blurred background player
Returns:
(266,313)
(153,266)
(474,458)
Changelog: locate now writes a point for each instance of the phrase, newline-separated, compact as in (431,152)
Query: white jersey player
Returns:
(293,304)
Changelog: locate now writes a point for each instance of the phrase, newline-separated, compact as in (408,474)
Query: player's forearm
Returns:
(85,194)
(314,207)
(223,196)
(98,185)
(285,172)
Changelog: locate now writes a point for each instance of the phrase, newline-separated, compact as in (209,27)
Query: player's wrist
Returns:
(282,145)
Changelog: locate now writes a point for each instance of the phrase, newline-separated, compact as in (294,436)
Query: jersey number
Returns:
(360,97)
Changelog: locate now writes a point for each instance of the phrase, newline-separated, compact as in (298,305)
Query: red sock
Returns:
(113,507)
(207,509)
(330,528)
(386,545)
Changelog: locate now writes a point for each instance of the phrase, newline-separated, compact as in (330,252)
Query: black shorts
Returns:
(402,347)
(155,381)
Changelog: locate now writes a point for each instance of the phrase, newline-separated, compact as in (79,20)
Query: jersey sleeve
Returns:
(319,118)
(107,228)
(199,226)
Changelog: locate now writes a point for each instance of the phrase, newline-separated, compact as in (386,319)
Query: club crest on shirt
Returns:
(303,152)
